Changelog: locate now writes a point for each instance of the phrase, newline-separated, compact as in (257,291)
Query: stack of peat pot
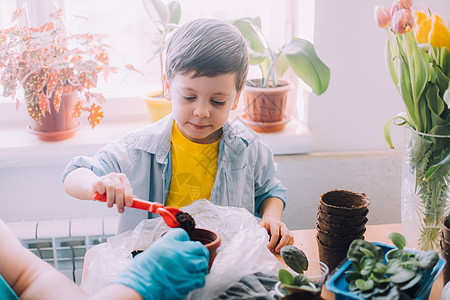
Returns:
(445,248)
(341,218)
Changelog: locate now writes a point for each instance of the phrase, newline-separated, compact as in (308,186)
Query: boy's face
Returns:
(201,105)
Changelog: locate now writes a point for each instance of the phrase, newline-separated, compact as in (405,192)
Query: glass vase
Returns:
(424,203)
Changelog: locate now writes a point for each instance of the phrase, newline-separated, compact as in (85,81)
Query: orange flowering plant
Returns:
(48,62)
(418,60)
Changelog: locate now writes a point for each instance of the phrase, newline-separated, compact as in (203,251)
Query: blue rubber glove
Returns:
(169,269)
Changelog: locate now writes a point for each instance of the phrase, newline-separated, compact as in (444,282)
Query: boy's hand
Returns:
(117,188)
(280,235)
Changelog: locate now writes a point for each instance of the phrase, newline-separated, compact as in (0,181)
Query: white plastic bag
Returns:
(243,250)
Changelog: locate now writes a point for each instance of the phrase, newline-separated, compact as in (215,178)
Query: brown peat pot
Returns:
(344,203)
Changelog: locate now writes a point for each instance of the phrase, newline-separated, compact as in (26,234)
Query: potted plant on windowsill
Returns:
(56,78)
(265,98)
(165,18)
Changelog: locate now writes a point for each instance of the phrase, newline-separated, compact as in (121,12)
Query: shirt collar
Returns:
(235,136)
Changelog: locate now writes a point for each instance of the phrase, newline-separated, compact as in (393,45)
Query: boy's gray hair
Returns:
(207,47)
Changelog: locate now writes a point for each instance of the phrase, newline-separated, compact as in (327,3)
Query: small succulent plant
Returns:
(397,278)
(296,259)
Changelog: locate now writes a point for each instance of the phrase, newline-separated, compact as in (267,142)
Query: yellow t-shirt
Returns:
(194,168)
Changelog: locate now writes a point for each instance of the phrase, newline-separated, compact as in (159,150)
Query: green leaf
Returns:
(174,12)
(281,65)
(256,58)
(398,239)
(378,280)
(387,127)
(300,280)
(251,33)
(427,259)
(364,285)
(380,268)
(446,97)
(307,65)
(284,276)
(405,89)
(412,282)
(402,276)
(157,5)
(295,258)
(436,105)
(390,62)
(441,80)
(420,71)
(432,170)
(354,252)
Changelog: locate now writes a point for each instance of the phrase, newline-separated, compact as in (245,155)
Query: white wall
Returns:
(348,119)
(361,97)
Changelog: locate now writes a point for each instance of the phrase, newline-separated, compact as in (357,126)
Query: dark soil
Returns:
(186,221)
(136,252)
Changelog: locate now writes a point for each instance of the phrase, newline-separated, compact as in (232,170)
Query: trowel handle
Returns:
(137,203)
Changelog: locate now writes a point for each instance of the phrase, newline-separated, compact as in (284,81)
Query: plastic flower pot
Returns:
(337,284)
(157,106)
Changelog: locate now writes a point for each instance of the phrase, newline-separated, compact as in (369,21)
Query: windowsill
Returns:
(19,148)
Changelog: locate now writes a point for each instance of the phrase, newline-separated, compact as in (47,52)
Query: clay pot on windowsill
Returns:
(266,105)
(57,125)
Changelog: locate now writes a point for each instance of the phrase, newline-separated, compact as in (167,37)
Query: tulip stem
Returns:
(391,48)
(413,83)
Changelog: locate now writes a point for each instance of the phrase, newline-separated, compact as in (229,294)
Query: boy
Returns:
(194,152)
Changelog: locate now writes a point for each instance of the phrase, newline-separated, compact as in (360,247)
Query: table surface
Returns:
(306,241)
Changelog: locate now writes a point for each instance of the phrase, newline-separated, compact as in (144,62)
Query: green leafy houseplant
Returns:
(296,259)
(299,54)
(418,60)
(398,278)
(166,19)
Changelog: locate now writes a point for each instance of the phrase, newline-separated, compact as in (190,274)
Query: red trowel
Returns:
(167,213)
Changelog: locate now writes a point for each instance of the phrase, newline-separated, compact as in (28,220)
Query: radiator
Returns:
(63,242)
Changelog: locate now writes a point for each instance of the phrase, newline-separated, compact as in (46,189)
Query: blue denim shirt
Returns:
(245,170)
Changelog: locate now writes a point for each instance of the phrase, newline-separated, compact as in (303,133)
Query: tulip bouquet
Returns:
(418,60)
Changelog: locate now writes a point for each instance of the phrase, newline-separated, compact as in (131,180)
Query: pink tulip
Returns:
(402,21)
(398,5)
(382,16)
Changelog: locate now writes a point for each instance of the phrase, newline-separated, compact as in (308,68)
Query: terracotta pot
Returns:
(265,126)
(332,257)
(266,104)
(57,126)
(344,203)
(345,229)
(347,221)
(208,238)
(157,106)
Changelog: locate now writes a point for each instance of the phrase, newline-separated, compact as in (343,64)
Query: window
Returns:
(129,32)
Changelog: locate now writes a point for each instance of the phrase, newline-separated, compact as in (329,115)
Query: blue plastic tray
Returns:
(336,281)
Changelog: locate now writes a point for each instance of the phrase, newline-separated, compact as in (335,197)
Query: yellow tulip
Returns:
(422,27)
(439,35)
